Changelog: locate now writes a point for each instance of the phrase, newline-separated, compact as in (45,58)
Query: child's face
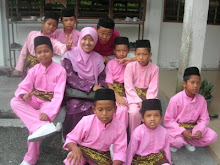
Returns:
(87,43)
(104,110)
(192,85)
(104,34)
(143,56)
(68,22)
(121,51)
(44,54)
(152,118)
(49,26)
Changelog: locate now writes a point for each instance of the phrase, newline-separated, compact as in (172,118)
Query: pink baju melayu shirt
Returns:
(92,133)
(60,35)
(28,48)
(183,109)
(145,141)
(107,49)
(114,72)
(137,76)
(50,79)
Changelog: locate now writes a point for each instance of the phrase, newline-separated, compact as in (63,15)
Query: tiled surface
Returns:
(167,84)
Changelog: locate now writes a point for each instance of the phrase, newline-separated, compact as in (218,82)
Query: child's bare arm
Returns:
(117,162)
(76,154)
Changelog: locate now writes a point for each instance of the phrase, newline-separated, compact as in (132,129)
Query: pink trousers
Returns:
(28,112)
(209,136)
(134,117)
(122,114)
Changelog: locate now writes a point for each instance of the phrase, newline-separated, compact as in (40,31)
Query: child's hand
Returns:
(197,135)
(124,61)
(44,117)
(28,96)
(96,87)
(75,157)
(69,42)
(187,134)
(120,100)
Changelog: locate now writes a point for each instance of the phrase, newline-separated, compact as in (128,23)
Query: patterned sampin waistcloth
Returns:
(119,88)
(100,158)
(141,92)
(43,95)
(152,159)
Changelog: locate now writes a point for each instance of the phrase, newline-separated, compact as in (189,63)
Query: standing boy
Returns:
(187,117)
(107,33)
(141,81)
(90,140)
(149,142)
(38,97)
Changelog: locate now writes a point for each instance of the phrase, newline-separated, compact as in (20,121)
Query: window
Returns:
(174,11)
(117,9)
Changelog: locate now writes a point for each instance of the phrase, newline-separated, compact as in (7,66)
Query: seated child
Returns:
(106,33)
(149,142)
(90,140)
(67,35)
(38,97)
(27,58)
(186,117)
(85,72)
(115,77)
(141,81)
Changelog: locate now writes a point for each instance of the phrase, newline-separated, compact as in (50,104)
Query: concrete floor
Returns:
(13,134)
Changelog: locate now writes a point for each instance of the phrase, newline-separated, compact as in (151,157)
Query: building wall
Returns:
(168,36)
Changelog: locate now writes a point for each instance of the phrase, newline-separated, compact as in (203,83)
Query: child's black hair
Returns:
(121,41)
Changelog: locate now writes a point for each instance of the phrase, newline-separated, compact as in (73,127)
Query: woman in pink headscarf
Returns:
(85,72)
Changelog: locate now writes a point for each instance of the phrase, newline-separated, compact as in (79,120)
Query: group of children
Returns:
(125,97)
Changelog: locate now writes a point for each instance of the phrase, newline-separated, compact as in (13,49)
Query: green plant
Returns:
(206,89)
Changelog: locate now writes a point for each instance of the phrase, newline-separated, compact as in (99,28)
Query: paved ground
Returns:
(13,136)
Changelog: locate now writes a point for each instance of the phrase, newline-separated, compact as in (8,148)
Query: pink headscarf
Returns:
(87,65)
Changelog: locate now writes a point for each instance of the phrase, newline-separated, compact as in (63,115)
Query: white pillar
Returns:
(193,35)
(4,49)
(153,19)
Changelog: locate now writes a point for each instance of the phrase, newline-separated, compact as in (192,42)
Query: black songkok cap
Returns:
(67,12)
(104,94)
(150,104)
(121,41)
(41,40)
(51,15)
(106,23)
(191,71)
(142,44)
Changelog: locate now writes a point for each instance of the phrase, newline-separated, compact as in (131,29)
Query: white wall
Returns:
(170,43)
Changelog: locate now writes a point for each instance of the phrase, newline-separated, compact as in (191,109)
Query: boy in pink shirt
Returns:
(67,35)
(90,140)
(149,142)
(141,81)
(115,77)
(187,117)
(107,33)
(38,97)
(27,58)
